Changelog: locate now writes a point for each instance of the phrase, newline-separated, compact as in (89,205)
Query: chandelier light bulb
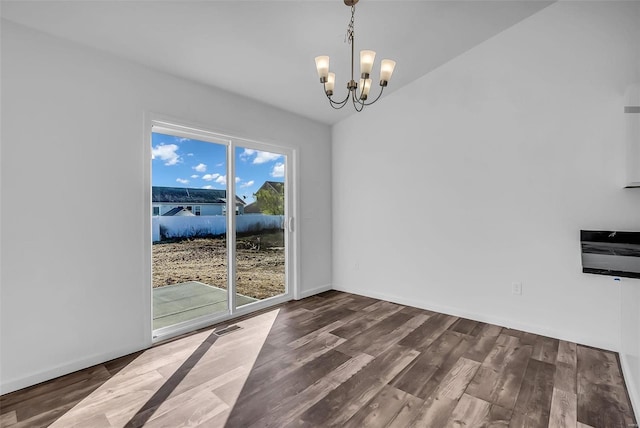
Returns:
(366,63)
(331,83)
(322,65)
(365,85)
(386,70)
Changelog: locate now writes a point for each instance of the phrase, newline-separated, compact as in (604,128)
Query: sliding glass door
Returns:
(189,250)
(261,241)
(220,246)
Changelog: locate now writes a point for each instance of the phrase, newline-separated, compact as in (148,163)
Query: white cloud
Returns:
(182,139)
(278,170)
(246,154)
(208,186)
(200,167)
(220,179)
(260,157)
(182,180)
(237,179)
(264,157)
(195,176)
(189,154)
(167,153)
(247,184)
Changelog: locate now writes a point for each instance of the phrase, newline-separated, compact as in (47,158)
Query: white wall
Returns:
(630,339)
(629,290)
(503,154)
(74,288)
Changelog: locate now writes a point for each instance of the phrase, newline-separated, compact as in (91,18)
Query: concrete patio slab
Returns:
(188,300)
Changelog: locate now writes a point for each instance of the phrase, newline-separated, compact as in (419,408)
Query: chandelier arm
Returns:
(363,103)
(340,102)
(377,98)
(337,103)
(357,100)
(356,103)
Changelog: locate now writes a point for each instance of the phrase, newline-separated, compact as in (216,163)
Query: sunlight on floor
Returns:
(227,360)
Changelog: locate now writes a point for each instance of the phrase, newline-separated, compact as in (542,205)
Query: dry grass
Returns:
(260,264)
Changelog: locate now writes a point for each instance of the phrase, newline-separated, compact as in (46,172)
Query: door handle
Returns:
(290,225)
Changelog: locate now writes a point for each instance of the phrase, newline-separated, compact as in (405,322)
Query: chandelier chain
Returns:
(351,26)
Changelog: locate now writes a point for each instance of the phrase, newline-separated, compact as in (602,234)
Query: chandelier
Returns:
(359,97)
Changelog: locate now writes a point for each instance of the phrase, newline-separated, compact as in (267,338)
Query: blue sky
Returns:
(183,162)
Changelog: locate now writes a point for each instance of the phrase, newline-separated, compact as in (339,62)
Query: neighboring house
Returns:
(178,212)
(270,186)
(200,202)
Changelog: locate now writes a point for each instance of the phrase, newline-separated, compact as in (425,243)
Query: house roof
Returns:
(273,185)
(184,195)
(252,208)
(179,212)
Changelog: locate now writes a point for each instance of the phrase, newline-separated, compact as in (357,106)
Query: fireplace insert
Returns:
(611,253)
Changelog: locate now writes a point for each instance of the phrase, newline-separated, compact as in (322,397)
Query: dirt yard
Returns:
(260,263)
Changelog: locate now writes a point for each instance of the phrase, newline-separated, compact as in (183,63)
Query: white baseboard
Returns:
(314,291)
(477,316)
(7,386)
(632,384)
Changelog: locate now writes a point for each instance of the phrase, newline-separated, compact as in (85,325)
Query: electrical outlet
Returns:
(516,288)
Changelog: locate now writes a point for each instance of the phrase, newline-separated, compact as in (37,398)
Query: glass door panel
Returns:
(261,238)
(189,229)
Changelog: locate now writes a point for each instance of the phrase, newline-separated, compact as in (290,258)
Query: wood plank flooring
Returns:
(339,359)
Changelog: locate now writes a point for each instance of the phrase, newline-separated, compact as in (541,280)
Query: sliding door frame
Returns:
(181,128)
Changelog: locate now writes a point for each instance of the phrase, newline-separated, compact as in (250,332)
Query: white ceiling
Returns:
(265,49)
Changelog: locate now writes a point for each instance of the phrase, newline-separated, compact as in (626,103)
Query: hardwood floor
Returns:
(340,360)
